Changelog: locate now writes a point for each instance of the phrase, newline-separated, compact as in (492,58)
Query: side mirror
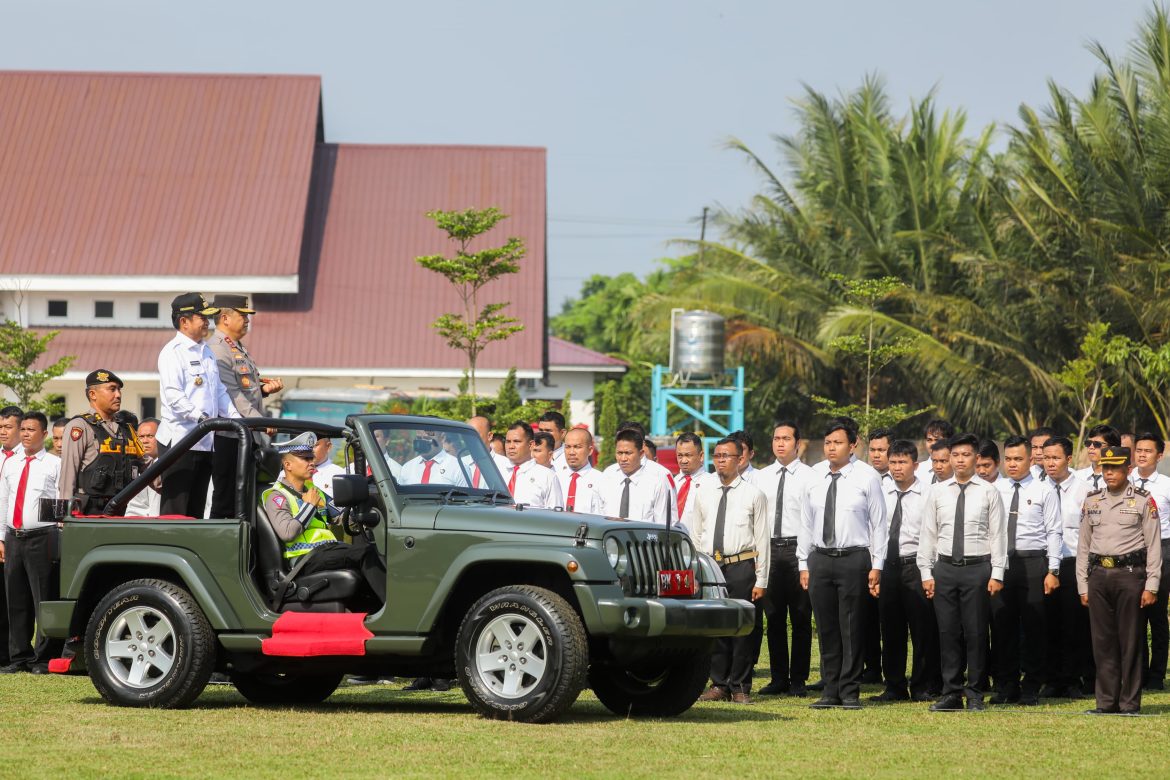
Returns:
(350,490)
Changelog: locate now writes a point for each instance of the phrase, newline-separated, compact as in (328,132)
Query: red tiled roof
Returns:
(154,174)
(364,303)
(566,353)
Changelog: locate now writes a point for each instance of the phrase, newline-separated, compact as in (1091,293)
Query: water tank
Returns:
(698,344)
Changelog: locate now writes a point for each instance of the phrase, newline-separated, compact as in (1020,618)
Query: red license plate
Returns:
(676,582)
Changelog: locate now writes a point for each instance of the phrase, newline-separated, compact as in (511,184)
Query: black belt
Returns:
(905,559)
(1028,554)
(25,533)
(1113,561)
(783,541)
(838,552)
(968,560)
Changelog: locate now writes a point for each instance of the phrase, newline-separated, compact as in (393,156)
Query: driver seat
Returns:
(321,591)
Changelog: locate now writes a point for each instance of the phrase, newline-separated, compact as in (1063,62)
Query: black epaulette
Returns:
(1141,491)
(90,417)
(1095,492)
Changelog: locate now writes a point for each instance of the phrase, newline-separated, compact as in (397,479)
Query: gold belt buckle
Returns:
(718,556)
(1109,562)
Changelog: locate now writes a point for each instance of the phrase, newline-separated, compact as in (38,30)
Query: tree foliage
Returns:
(20,349)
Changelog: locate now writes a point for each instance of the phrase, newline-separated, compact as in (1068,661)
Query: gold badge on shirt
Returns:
(198,381)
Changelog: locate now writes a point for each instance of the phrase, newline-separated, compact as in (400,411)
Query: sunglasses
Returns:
(1094,445)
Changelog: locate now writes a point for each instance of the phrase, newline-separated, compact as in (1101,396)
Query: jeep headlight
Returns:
(687,551)
(616,553)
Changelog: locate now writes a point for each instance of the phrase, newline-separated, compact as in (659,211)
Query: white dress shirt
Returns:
(1086,475)
(536,486)
(1039,473)
(689,482)
(445,470)
(587,494)
(1158,485)
(1070,498)
(323,477)
(821,467)
(860,519)
(190,388)
(984,525)
(558,458)
(797,478)
(502,463)
(1038,519)
(656,469)
(43,471)
(648,494)
(148,500)
(912,502)
(746,523)
(924,471)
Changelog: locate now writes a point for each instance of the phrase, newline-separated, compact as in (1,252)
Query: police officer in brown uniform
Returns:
(101,452)
(244,386)
(1119,561)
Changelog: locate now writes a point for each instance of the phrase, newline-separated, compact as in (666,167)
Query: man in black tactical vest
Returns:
(101,453)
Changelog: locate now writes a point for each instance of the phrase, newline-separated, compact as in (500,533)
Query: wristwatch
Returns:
(1054,572)
(202,417)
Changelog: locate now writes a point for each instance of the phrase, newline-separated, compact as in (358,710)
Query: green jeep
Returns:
(525,607)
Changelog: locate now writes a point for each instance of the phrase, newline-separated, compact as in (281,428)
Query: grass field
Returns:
(59,727)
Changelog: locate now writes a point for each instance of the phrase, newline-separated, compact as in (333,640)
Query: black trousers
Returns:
(731,663)
(29,572)
(1070,649)
(1115,619)
(1155,616)
(962,607)
(836,588)
(223,476)
(904,609)
(361,558)
(4,659)
(1019,627)
(872,633)
(184,484)
(787,600)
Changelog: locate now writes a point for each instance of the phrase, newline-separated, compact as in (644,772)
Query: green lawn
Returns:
(58,726)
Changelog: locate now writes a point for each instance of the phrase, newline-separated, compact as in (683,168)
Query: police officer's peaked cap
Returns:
(237,302)
(301,445)
(192,303)
(1114,456)
(102,377)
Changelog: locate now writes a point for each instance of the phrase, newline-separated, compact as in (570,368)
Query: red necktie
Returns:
(475,477)
(427,472)
(572,501)
(512,481)
(18,509)
(682,494)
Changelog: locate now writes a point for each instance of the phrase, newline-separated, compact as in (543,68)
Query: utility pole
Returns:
(703,234)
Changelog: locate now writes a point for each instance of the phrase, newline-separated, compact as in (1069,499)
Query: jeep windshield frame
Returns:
(456,456)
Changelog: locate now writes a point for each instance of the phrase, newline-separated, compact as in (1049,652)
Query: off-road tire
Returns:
(147,616)
(556,641)
(260,688)
(659,688)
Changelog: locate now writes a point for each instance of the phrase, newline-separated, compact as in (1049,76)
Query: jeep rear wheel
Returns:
(660,688)
(261,688)
(522,655)
(149,645)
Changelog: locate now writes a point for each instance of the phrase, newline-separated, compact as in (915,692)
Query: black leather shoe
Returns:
(825,703)
(1099,711)
(798,689)
(850,704)
(924,696)
(950,703)
(890,694)
(15,668)
(774,688)
(420,684)
(976,705)
(1029,700)
(1005,698)
(39,669)
(440,685)
(1155,685)
(871,676)
(819,685)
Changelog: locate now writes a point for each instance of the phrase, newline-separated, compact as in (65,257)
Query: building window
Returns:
(147,310)
(58,308)
(149,407)
(103,310)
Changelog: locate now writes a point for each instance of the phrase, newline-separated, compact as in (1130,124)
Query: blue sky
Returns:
(634,100)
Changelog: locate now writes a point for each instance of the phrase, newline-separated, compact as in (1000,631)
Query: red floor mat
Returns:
(305,633)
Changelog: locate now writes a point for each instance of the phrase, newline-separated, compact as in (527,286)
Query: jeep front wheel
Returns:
(149,645)
(660,688)
(522,655)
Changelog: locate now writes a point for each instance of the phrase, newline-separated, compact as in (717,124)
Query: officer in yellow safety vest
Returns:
(299,514)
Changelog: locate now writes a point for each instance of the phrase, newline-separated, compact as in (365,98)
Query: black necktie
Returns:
(1144,481)
(829,533)
(893,548)
(624,509)
(1013,518)
(779,503)
(957,536)
(1096,479)
(934,479)
(720,521)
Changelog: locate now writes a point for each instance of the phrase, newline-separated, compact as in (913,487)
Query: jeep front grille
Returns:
(645,556)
